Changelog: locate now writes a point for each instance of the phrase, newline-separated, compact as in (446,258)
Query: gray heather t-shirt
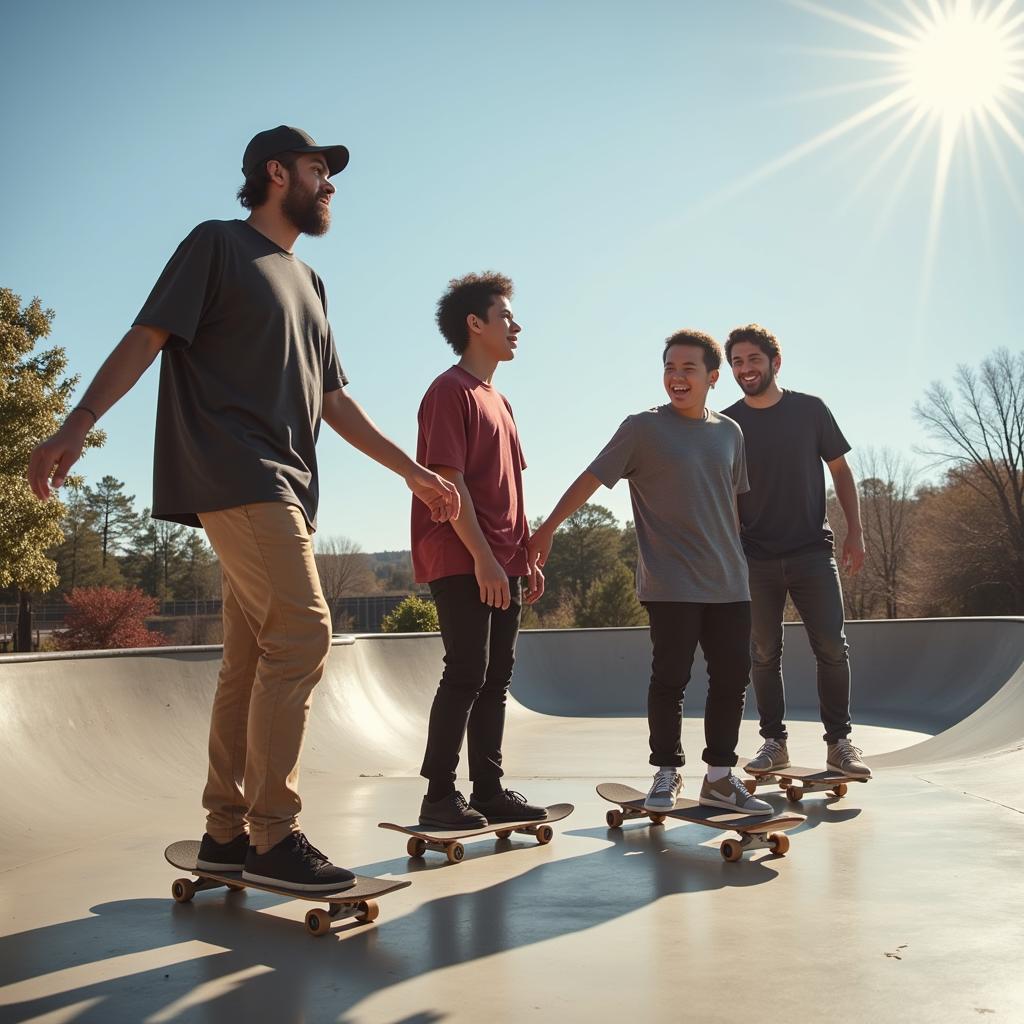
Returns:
(683,476)
(242,376)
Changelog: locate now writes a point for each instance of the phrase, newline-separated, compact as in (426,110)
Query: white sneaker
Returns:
(664,790)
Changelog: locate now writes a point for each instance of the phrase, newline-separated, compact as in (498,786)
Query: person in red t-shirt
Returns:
(474,565)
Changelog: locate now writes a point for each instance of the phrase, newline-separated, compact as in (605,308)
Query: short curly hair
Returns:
(712,350)
(471,294)
(757,335)
(256,186)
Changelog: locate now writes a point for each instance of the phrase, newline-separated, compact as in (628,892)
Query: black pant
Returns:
(479,652)
(723,632)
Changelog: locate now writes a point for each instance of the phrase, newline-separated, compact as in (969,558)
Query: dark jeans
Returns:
(723,632)
(812,580)
(479,652)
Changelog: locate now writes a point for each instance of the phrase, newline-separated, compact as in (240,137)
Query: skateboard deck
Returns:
(797,782)
(756,831)
(358,901)
(422,838)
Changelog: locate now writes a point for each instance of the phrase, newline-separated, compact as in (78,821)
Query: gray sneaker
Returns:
(664,790)
(731,794)
(845,758)
(773,754)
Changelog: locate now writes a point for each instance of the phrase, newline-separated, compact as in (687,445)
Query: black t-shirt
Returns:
(783,513)
(242,376)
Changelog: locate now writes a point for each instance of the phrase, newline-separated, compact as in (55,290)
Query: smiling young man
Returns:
(474,565)
(685,466)
(789,543)
(248,370)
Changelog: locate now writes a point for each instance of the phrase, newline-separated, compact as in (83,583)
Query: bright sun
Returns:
(959,65)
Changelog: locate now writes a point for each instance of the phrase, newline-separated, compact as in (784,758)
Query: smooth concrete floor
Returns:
(901,902)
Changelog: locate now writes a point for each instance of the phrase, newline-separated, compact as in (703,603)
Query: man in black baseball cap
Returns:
(249,370)
(283,139)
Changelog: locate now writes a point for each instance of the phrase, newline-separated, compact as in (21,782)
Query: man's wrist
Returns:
(81,417)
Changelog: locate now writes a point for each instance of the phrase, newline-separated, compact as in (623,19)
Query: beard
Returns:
(762,385)
(304,210)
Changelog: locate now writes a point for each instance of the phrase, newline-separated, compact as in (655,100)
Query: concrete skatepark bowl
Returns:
(900,902)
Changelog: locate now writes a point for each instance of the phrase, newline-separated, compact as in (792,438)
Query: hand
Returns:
(57,454)
(536,585)
(438,494)
(493,580)
(853,553)
(539,546)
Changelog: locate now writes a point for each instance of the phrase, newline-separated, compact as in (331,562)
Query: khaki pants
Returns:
(277,635)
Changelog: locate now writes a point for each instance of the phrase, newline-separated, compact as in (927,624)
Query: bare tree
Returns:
(887,508)
(979,433)
(344,572)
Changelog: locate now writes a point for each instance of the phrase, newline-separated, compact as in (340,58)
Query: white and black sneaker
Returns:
(664,791)
(730,794)
(295,863)
(214,856)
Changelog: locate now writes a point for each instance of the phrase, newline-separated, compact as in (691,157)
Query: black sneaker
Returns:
(450,812)
(507,805)
(216,856)
(296,864)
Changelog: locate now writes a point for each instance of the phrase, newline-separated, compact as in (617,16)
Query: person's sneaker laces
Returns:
(664,790)
(230,856)
(845,758)
(450,812)
(507,805)
(773,754)
(295,863)
(730,793)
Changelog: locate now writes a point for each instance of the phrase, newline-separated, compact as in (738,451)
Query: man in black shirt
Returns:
(789,543)
(248,371)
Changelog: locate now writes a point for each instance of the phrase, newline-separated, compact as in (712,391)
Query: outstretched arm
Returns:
(346,417)
(578,494)
(52,459)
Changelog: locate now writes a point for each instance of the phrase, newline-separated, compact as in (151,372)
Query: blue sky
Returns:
(590,150)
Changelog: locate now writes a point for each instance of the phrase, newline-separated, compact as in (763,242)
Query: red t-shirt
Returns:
(467,425)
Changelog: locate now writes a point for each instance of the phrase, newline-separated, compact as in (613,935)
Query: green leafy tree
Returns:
(34,398)
(413,615)
(78,557)
(115,514)
(612,601)
(587,547)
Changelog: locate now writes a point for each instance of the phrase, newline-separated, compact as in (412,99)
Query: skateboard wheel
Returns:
(455,853)
(415,847)
(503,833)
(657,819)
(545,834)
(794,794)
(318,922)
(731,850)
(780,843)
(614,819)
(183,889)
(369,910)
(751,785)
(235,888)
(840,790)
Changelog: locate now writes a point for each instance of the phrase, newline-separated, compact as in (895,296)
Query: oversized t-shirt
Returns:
(683,476)
(783,514)
(467,425)
(242,375)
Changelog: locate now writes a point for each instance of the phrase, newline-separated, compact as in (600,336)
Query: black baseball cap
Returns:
(284,139)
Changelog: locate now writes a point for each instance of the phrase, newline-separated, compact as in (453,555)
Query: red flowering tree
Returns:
(101,618)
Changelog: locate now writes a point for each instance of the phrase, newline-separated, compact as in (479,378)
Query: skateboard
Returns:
(422,838)
(811,780)
(358,901)
(756,831)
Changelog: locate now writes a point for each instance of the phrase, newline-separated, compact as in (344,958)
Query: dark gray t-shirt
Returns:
(683,476)
(783,514)
(242,376)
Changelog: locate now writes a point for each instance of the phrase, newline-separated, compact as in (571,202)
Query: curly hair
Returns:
(471,294)
(254,190)
(712,350)
(757,335)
